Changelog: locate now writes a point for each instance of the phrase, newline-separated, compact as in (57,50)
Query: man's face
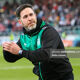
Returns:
(28,18)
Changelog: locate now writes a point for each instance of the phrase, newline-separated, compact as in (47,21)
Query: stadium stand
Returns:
(62,15)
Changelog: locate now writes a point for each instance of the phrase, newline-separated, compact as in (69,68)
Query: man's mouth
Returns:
(31,23)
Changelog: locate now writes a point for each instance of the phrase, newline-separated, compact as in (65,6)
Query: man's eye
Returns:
(25,16)
(31,14)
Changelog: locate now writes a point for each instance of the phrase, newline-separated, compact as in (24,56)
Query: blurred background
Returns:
(63,15)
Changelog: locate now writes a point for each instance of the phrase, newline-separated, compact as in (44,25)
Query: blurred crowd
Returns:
(59,12)
(56,12)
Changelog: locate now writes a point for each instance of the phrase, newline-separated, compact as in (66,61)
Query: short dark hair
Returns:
(21,7)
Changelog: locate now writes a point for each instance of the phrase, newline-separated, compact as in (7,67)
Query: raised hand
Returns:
(11,47)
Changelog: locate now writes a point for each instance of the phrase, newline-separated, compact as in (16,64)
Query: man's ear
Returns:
(19,21)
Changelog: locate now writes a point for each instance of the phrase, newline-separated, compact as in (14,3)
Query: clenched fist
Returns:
(11,47)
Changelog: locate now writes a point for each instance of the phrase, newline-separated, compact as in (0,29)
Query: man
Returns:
(35,45)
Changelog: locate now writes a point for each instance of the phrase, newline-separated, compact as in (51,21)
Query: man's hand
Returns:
(11,47)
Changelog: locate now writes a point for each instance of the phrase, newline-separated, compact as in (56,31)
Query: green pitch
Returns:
(22,69)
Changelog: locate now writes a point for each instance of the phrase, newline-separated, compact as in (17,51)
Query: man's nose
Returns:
(29,18)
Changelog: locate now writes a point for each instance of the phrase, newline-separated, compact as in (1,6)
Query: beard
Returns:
(29,28)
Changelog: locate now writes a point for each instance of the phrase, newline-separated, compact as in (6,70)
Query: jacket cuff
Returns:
(25,53)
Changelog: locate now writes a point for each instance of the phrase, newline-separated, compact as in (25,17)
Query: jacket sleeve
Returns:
(11,57)
(50,39)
